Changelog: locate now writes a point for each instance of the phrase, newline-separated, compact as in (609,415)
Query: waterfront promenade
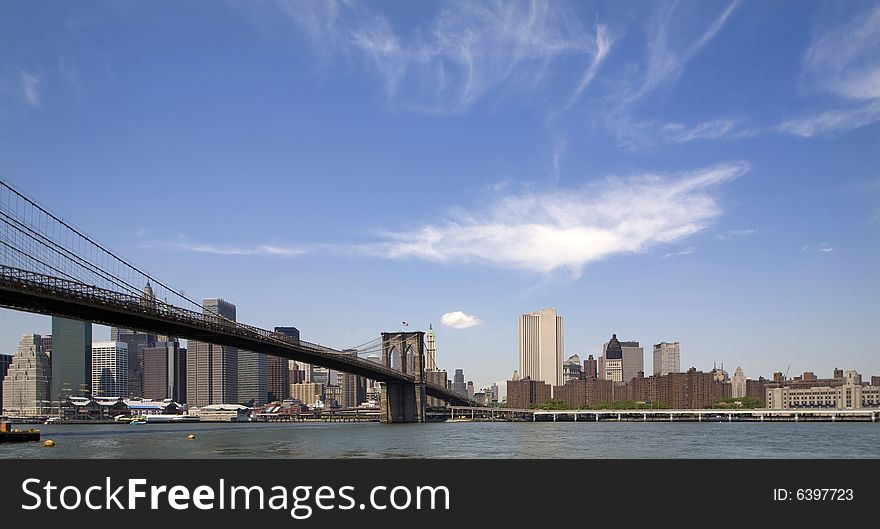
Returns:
(711,415)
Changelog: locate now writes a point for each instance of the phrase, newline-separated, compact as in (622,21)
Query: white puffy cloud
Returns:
(459,320)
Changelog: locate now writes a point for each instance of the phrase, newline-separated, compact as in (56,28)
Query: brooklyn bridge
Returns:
(47,266)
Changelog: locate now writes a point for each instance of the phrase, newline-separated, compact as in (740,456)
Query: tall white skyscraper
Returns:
(430,350)
(667,358)
(110,369)
(541,346)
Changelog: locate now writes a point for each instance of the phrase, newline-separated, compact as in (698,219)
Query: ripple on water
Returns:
(459,440)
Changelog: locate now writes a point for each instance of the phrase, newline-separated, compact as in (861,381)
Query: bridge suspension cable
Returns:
(34,239)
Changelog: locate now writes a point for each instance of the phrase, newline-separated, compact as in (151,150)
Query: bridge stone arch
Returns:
(402,401)
(408,349)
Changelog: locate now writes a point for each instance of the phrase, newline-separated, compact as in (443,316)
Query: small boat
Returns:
(138,421)
(8,434)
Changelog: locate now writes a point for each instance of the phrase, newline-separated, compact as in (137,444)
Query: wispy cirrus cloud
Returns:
(666,61)
(459,320)
(831,121)
(823,248)
(223,249)
(30,89)
(673,39)
(686,251)
(465,51)
(544,232)
(560,146)
(844,59)
(713,129)
(735,234)
(604,42)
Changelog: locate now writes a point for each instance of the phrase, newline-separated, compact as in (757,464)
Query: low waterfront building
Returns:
(223,413)
(849,395)
(99,409)
(153,407)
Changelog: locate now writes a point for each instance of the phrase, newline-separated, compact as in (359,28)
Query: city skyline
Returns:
(348,176)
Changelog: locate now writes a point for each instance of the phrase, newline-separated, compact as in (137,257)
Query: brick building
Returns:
(523,393)
(584,392)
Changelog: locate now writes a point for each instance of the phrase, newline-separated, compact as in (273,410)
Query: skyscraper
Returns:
(283,372)
(353,389)
(277,378)
(470,389)
(667,358)
(591,367)
(458,384)
(541,346)
(299,372)
(430,349)
(71,359)
(26,384)
(571,369)
(611,362)
(212,370)
(136,342)
(633,360)
(252,378)
(164,371)
(739,384)
(5,362)
(109,369)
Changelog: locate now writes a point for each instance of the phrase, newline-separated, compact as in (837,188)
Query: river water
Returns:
(457,440)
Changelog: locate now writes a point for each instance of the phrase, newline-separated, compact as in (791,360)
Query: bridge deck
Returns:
(39,293)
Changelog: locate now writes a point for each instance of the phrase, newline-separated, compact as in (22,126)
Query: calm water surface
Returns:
(457,440)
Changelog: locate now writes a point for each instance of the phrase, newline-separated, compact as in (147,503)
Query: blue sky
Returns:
(697,171)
